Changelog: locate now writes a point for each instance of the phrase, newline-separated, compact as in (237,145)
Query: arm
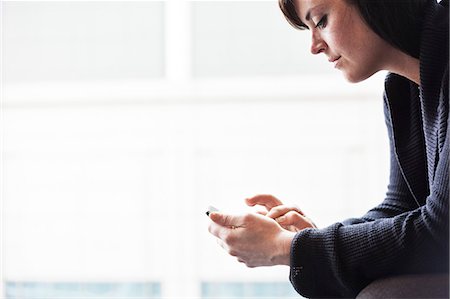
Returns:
(398,197)
(341,259)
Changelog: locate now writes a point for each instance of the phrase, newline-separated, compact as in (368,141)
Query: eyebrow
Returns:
(308,14)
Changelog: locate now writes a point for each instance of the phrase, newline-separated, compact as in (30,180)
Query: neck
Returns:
(404,65)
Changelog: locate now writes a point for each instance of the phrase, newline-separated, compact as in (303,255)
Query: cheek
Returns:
(347,37)
(338,41)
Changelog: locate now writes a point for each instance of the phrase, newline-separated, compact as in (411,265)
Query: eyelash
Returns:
(322,23)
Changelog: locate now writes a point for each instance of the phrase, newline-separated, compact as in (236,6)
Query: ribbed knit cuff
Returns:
(301,274)
(312,255)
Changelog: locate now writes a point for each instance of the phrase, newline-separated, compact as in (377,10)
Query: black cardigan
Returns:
(408,232)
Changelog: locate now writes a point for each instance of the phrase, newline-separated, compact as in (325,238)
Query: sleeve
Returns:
(340,260)
(398,197)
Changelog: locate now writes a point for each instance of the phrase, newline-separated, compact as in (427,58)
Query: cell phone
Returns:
(211,209)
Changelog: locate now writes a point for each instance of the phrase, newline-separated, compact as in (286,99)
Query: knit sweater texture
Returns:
(408,232)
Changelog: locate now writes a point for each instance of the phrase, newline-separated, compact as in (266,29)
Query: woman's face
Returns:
(340,33)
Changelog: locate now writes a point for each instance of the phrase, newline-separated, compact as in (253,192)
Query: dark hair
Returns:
(398,22)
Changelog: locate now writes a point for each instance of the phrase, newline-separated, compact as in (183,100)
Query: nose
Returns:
(318,45)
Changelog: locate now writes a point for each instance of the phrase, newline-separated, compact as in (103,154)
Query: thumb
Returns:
(223,219)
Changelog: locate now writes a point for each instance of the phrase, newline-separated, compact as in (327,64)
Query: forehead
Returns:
(306,8)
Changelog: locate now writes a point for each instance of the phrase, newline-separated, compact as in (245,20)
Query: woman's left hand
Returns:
(290,217)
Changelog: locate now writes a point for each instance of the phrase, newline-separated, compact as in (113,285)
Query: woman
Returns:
(408,232)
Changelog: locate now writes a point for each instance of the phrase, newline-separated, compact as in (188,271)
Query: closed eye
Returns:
(322,23)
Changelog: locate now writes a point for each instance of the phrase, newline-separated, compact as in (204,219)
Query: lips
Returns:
(334,60)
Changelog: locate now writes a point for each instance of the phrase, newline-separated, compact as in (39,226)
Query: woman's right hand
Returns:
(289,217)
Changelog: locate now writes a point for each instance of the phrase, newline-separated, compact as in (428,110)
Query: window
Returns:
(248,290)
(123,120)
(30,290)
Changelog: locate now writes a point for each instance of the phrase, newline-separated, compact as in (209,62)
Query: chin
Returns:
(356,78)
(353,80)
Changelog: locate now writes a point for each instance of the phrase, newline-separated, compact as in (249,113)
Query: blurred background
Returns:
(123,120)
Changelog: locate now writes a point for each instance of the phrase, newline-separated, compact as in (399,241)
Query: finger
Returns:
(226,220)
(281,210)
(295,219)
(268,201)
